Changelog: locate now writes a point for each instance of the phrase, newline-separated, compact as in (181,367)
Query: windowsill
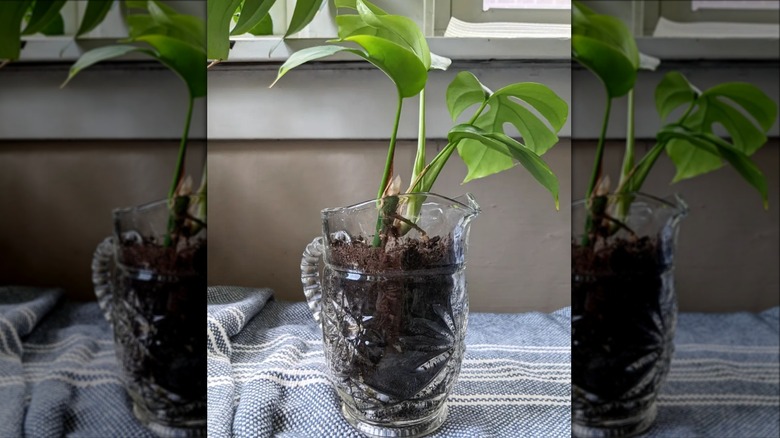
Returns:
(686,48)
(248,49)
(64,49)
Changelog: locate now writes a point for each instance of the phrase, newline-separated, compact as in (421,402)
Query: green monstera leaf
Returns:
(94,15)
(403,31)
(505,106)
(605,46)
(44,14)
(399,64)
(11,16)
(253,12)
(512,149)
(742,109)
(716,146)
(176,40)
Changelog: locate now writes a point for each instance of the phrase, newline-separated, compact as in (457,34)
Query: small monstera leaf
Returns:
(403,31)
(399,64)
(504,145)
(718,147)
(727,105)
(176,40)
(606,47)
(505,107)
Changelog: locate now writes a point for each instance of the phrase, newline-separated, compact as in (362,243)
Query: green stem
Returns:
(628,159)
(599,151)
(635,180)
(413,210)
(177,176)
(596,174)
(419,159)
(623,203)
(444,154)
(390,151)
(387,173)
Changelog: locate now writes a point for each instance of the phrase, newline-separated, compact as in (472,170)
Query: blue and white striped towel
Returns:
(724,380)
(58,370)
(267,373)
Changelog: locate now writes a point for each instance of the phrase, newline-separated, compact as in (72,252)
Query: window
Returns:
(731,4)
(491,34)
(42,48)
(526,4)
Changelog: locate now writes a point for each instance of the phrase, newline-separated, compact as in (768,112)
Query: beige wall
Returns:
(56,202)
(265,199)
(729,248)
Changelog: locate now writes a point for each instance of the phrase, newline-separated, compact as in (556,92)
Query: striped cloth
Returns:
(58,371)
(59,376)
(267,373)
(724,379)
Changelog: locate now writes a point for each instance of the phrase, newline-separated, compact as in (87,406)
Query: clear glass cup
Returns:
(393,315)
(155,299)
(624,310)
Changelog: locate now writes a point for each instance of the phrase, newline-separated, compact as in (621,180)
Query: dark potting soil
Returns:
(159,330)
(395,336)
(623,318)
(398,253)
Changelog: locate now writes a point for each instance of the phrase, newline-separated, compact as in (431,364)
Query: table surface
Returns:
(59,375)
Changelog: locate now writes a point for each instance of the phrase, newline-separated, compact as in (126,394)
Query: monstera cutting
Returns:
(392,299)
(624,304)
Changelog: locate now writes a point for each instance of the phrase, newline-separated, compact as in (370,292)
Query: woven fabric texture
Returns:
(58,371)
(268,377)
(267,374)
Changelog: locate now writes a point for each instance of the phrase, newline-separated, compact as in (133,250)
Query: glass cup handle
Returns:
(102,274)
(310,276)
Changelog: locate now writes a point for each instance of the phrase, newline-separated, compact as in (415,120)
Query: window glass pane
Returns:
(734,4)
(525,4)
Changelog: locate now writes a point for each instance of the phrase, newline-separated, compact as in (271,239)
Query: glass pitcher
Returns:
(155,299)
(624,310)
(393,307)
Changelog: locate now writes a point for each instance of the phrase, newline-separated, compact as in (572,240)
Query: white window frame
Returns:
(431,15)
(642,17)
(41,48)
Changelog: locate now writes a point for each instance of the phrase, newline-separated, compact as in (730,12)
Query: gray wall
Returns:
(57,199)
(729,247)
(265,199)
